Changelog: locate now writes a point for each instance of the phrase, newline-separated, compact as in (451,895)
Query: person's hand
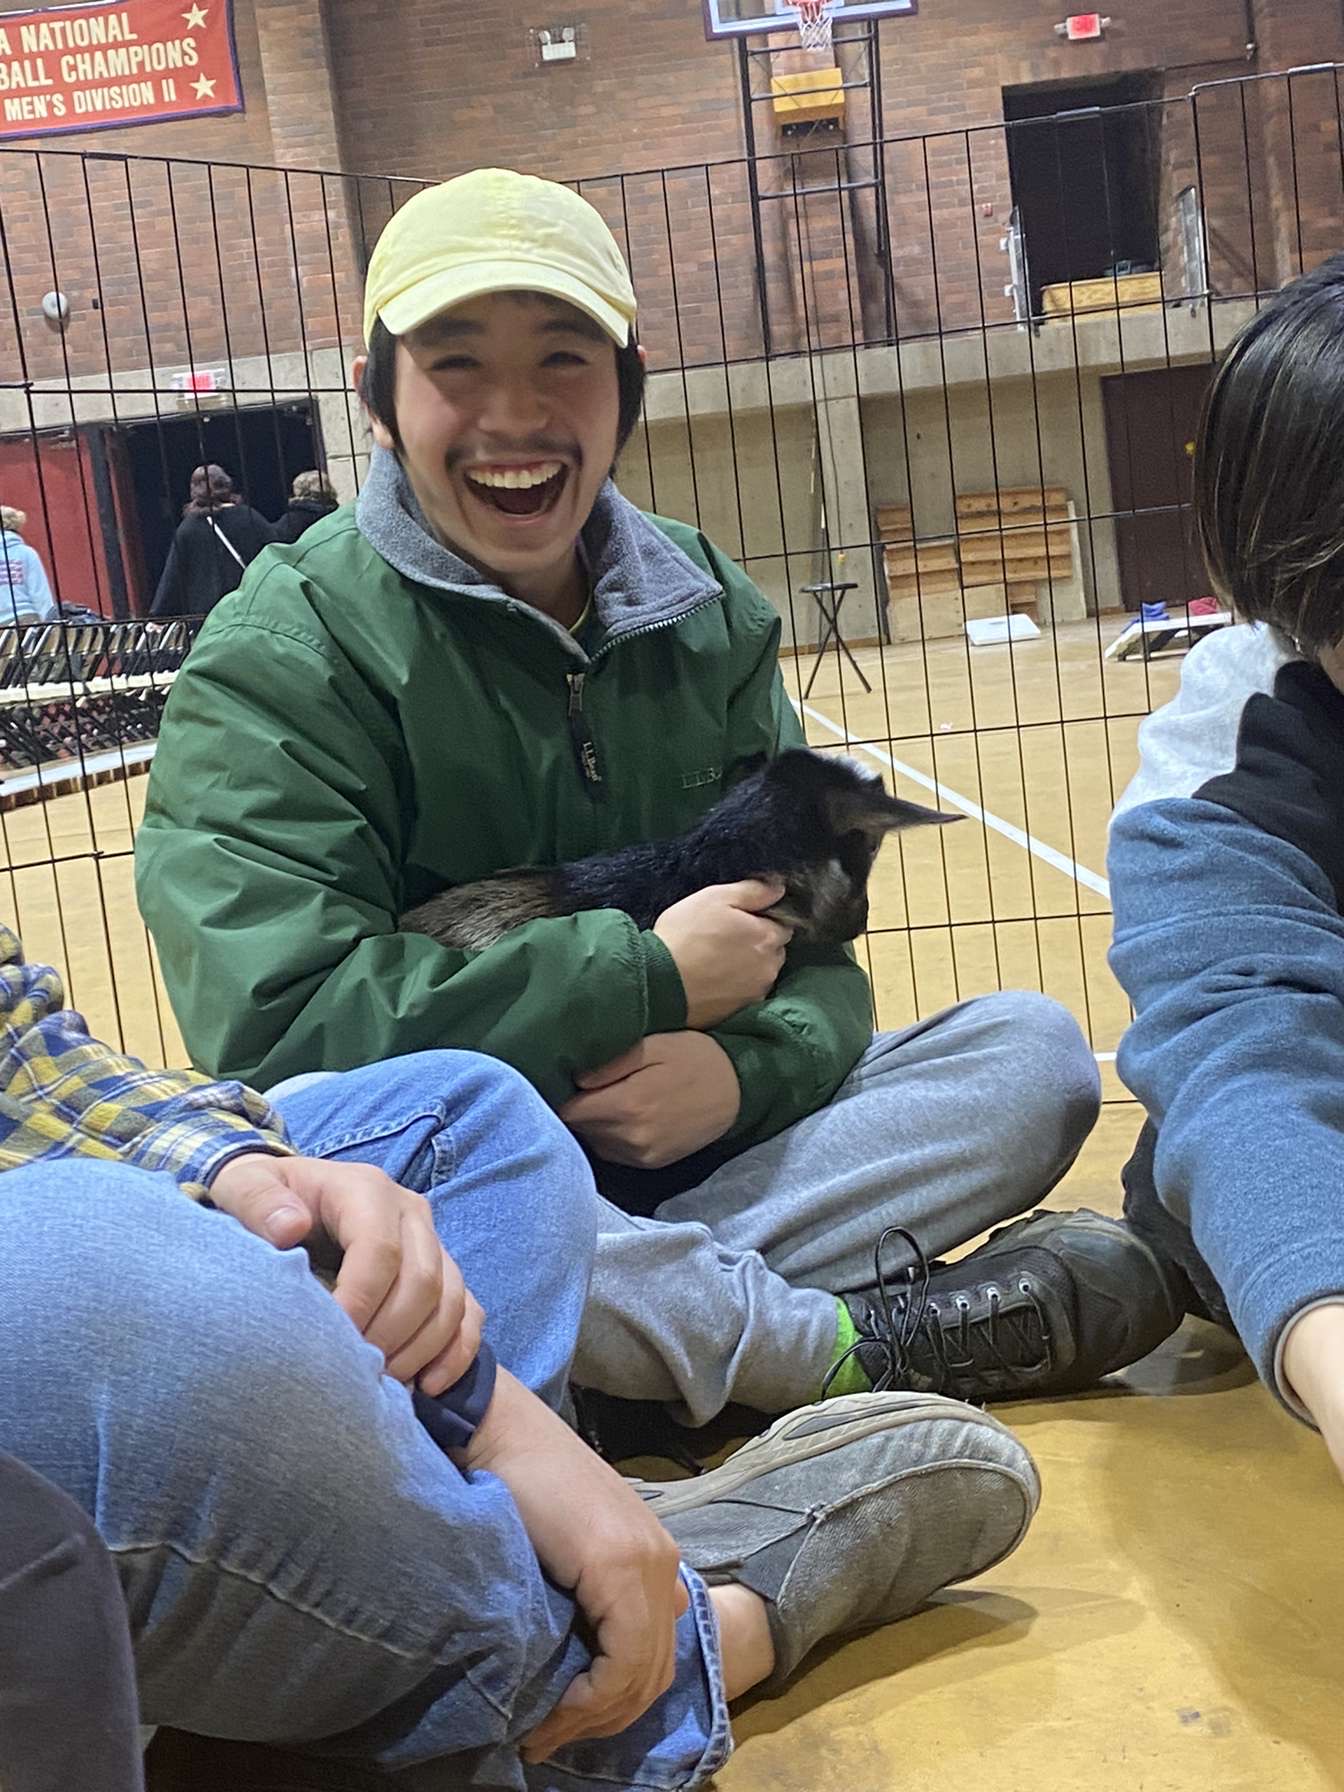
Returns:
(595,1537)
(395,1280)
(668,1096)
(727,952)
(1313,1366)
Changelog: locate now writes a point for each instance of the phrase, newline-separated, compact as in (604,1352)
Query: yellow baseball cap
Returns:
(496,231)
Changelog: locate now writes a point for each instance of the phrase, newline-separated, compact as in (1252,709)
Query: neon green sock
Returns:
(849,1378)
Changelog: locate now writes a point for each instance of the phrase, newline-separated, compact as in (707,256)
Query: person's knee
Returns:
(472,1083)
(1052,1085)
(127,1286)
(492,1111)
(89,1251)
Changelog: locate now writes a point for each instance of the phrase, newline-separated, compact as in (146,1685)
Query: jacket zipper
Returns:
(585,746)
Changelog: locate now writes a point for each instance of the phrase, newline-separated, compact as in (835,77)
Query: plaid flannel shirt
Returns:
(62,1094)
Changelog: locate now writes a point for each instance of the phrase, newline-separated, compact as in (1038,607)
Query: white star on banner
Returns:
(204,89)
(196,18)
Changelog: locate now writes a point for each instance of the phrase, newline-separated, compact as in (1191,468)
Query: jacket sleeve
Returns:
(170,596)
(63,1094)
(792,1051)
(1230,944)
(268,871)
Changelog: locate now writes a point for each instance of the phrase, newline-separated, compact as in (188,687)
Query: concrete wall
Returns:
(935,445)
(728,475)
(749,483)
(167,259)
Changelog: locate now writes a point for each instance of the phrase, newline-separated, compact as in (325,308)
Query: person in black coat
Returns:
(311,498)
(219,536)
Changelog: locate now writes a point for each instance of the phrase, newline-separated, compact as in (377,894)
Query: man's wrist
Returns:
(206,1171)
(498,1423)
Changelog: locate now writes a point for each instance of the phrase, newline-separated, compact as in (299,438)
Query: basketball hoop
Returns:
(814,23)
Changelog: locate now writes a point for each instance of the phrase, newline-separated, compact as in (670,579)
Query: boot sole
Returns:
(854,1416)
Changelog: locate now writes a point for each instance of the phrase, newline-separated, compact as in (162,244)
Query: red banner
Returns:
(123,62)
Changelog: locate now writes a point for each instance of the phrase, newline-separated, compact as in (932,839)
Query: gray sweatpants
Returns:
(947,1128)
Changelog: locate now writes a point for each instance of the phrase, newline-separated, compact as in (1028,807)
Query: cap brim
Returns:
(455,286)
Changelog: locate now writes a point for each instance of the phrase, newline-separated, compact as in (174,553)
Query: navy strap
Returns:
(453,1417)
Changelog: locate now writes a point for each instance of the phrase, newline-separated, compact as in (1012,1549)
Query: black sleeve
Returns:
(267,531)
(170,598)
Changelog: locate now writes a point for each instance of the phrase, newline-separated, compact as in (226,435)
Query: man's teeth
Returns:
(516,479)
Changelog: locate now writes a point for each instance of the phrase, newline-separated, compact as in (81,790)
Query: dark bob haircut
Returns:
(1269,467)
(378,386)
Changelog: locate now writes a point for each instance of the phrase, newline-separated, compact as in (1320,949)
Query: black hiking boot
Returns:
(1047,1305)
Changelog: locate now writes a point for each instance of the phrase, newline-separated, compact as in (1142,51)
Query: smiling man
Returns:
(494,660)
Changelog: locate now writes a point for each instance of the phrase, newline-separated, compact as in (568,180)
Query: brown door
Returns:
(1151,423)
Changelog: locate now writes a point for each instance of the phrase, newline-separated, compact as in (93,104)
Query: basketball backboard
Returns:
(738,18)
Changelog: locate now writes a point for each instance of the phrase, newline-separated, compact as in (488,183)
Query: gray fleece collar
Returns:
(641,579)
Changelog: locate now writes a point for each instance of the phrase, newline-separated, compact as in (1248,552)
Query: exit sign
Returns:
(1083,27)
(201,379)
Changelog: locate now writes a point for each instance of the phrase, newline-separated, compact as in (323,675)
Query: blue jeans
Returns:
(300,1564)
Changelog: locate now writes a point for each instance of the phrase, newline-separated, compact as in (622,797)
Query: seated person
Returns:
(1227,875)
(341,1521)
(494,659)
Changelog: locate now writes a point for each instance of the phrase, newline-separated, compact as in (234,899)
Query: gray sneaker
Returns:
(851,1513)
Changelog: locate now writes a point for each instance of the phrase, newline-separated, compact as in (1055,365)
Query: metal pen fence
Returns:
(936,393)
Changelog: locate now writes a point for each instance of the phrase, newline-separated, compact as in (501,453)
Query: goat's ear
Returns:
(866,808)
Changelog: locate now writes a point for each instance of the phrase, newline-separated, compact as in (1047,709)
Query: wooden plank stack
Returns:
(1007,545)
(1015,540)
(923,578)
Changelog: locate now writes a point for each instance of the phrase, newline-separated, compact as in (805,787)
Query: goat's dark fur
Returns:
(809,820)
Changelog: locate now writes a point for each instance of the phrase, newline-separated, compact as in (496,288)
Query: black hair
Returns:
(1269,474)
(378,384)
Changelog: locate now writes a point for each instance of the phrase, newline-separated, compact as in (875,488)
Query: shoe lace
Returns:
(902,1311)
(1010,1338)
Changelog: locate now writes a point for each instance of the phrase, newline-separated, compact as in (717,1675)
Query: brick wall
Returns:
(195,263)
(1301,125)
(428,90)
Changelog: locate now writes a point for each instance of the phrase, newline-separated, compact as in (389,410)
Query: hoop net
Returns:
(814,23)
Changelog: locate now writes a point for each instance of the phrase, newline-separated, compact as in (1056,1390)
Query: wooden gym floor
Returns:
(1171,1623)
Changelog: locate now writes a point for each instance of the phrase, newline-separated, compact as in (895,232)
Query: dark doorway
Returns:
(262,446)
(1085,167)
(1152,420)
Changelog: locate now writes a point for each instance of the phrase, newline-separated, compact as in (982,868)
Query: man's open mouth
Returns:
(519,491)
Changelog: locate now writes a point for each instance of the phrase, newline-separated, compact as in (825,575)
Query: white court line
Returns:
(1041,848)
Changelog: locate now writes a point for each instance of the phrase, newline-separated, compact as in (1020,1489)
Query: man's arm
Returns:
(792,1051)
(268,871)
(1230,944)
(64,1094)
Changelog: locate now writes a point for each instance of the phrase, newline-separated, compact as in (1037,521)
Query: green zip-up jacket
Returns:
(368,719)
